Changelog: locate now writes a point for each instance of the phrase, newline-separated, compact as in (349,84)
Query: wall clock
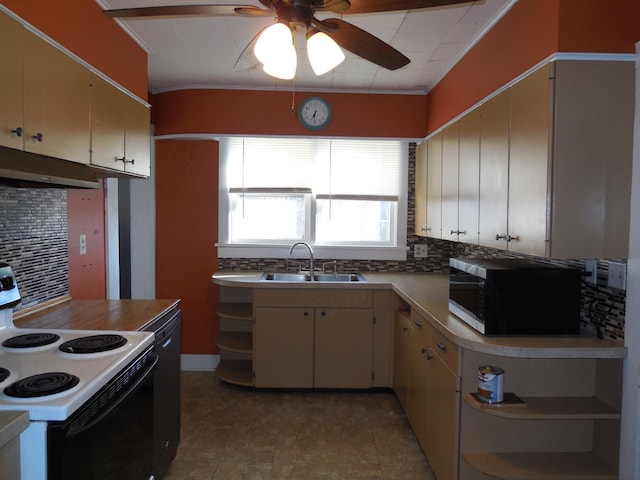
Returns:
(314,113)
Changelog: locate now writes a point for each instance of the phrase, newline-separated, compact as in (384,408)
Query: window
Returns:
(345,197)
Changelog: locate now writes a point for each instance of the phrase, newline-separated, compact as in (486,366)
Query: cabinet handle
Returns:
(38,137)
(510,238)
(458,232)
(441,346)
(500,237)
(322,314)
(124,160)
(418,324)
(426,350)
(18,131)
(306,314)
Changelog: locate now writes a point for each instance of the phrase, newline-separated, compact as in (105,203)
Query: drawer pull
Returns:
(418,324)
(441,346)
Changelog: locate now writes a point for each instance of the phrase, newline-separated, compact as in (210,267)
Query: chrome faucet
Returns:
(311,261)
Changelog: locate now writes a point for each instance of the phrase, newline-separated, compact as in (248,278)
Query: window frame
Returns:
(337,252)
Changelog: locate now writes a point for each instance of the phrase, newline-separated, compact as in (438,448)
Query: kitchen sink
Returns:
(320,277)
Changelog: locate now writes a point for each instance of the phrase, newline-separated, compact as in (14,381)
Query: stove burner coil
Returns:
(41,385)
(4,374)
(31,340)
(93,344)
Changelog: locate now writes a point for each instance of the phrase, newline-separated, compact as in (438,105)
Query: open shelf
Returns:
(236,311)
(541,466)
(549,408)
(241,342)
(238,372)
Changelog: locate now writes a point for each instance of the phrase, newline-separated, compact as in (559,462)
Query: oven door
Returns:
(110,436)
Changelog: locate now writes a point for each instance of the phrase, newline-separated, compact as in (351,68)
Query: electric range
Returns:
(54,374)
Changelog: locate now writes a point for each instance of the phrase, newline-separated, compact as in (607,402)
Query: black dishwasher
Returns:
(166,391)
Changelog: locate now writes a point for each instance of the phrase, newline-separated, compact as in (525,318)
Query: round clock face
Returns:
(315,113)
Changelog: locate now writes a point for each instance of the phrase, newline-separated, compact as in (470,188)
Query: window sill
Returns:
(226,250)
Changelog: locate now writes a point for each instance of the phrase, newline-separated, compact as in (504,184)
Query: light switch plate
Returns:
(420,251)
(618,275)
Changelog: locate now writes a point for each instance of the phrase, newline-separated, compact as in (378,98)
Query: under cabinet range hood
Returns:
(24,169)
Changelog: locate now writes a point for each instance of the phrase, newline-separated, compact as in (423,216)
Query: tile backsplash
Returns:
(33,240)
(603,308)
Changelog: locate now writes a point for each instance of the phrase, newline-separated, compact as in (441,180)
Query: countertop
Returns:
(427,294)
(12,423)
(95,314)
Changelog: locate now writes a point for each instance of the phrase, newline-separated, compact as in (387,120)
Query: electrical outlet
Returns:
(591,266)
(83,244)
(420,251)
(618,275)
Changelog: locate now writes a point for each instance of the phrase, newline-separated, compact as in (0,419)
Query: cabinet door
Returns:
(420,226)
(441,423)
(434,186)
(449,194)
(469,177)
(401,331)
(283,347)
(57,102)
(107,125)
(494,171)
(343,347)
(529,168)
(418,385)
(11,82)
(138,137)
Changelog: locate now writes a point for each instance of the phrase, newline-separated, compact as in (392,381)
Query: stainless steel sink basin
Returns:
(321,277)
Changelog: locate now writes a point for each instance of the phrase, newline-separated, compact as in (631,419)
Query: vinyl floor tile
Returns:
(235,433)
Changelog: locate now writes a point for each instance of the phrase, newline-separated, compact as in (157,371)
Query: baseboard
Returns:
(199,362)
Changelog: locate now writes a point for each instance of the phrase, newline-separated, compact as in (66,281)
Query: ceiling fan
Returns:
(301,13)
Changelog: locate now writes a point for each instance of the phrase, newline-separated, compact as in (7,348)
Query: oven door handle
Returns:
(135,385)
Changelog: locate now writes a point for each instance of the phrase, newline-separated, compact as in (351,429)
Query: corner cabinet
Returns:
(555,153)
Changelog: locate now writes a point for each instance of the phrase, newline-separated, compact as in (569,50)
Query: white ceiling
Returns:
(187,52)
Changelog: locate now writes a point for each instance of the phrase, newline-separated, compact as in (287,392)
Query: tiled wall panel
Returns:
(33,240)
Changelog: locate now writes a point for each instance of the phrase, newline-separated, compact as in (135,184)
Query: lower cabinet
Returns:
(426,382)
(321,338)
(283,347)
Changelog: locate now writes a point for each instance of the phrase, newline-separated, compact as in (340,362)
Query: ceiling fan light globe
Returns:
(272,41)
(324,53)
(284,65)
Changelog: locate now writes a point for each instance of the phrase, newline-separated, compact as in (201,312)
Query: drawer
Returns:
(420,326)
(445,349)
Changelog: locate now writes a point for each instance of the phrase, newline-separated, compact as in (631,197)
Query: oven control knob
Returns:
(6,283)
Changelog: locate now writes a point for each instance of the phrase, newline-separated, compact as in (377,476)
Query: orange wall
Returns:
(186,231)
(530,32)
(85,215)
(81,27)
(270,113)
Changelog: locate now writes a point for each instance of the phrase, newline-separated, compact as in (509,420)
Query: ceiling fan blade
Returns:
(335,6)
(374,6)
(247,59)
(187,10)
(362,43)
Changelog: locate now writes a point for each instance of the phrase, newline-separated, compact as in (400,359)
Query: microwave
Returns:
(508,296)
